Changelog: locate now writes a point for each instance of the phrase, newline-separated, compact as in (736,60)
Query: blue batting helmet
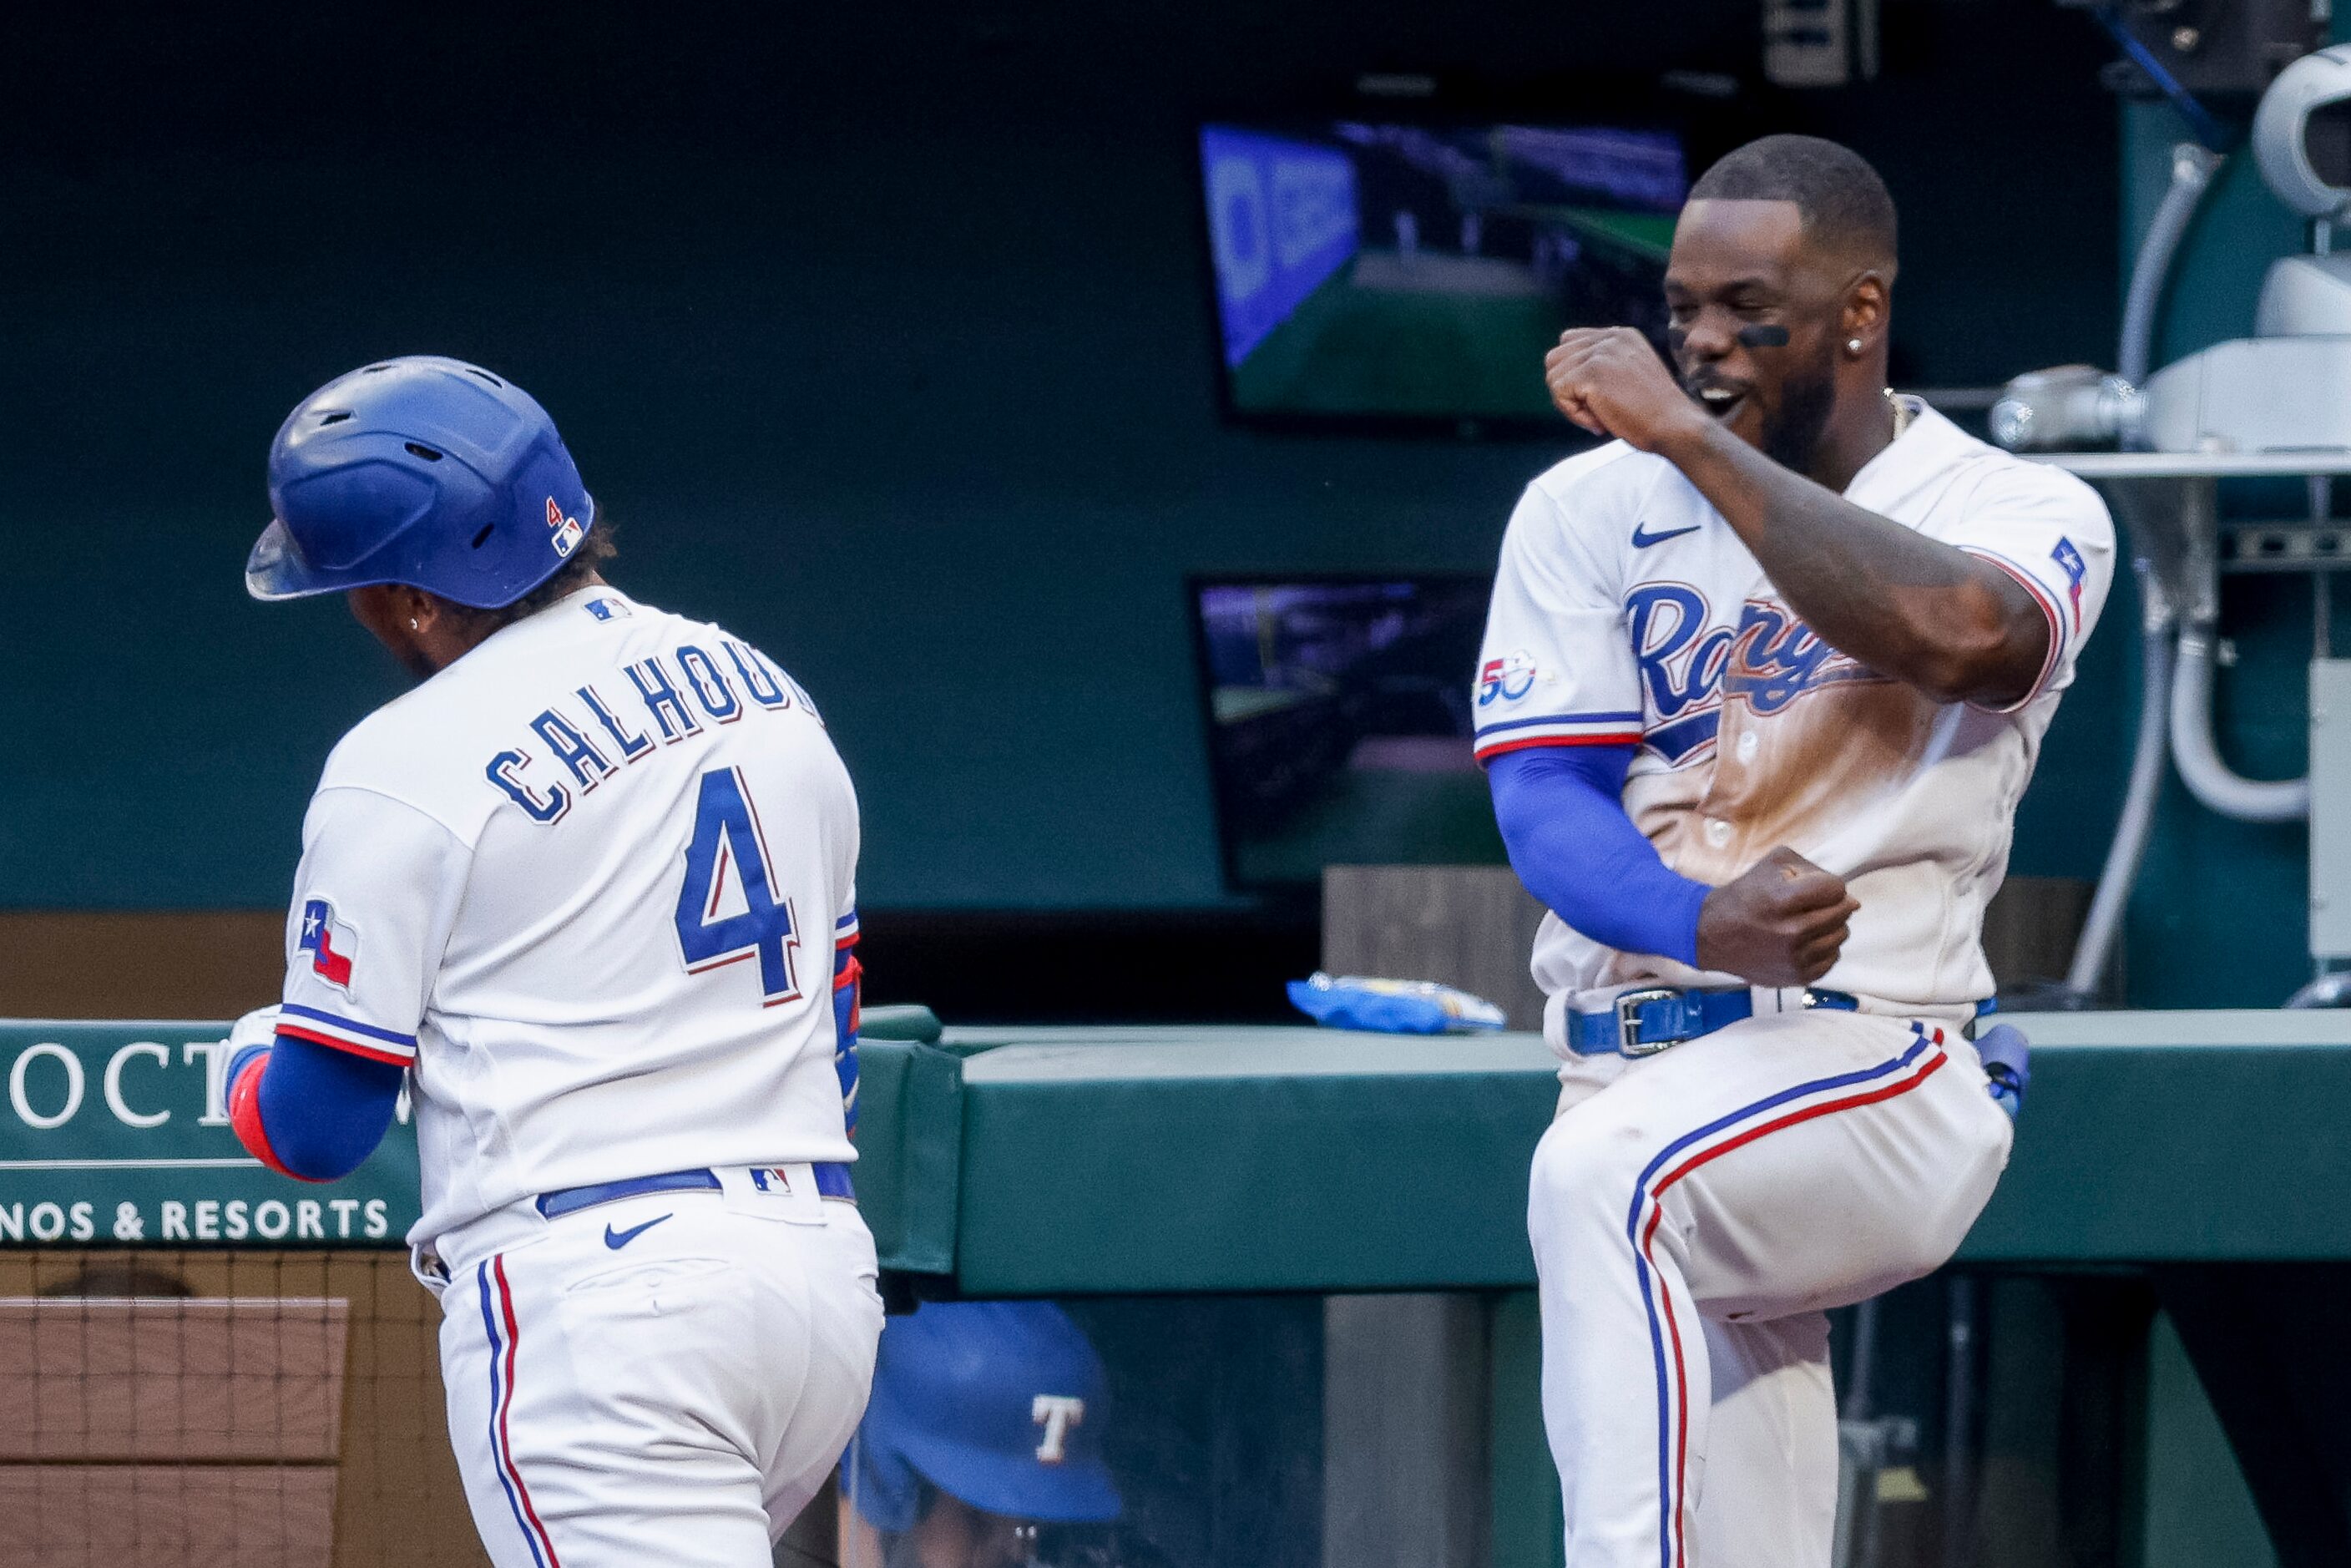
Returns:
(998,1403)
(423,471)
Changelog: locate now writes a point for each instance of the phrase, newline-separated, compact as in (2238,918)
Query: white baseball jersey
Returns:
(1627,612)
(587,883)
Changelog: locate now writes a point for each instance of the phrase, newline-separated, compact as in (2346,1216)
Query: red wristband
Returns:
(245,1115)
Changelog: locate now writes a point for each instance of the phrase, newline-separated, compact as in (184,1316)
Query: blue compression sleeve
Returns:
(1561,811)
(325,1110)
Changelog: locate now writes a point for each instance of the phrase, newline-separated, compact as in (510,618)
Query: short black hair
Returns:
(1842,201)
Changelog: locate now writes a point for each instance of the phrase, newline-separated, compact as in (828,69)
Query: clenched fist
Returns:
(1782,923)
(1610,380)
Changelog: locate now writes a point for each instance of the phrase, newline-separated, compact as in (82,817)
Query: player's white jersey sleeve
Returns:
(1556,668)
(374,899)
(2050,531)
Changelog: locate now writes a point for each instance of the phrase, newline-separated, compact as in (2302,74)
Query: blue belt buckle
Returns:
(1629,1004)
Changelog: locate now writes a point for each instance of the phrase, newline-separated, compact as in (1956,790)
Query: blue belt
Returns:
(1646,1020)
(831,1181)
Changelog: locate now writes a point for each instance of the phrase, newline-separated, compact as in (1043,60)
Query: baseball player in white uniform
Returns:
(589,886)
(1765,678)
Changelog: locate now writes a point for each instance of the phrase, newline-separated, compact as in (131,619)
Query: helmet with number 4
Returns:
(424,470)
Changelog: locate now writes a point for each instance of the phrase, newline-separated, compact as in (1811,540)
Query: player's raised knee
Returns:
(1587,1163)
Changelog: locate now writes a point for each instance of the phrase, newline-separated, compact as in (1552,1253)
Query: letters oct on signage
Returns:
(49,1083)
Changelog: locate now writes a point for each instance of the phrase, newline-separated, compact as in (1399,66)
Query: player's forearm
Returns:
(1562,819)
(308,1111)
(1914,609)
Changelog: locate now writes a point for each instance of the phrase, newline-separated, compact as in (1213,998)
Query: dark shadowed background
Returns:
(885,335)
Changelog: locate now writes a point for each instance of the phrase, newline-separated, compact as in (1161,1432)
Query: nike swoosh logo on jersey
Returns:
(1644,540)
(616,1239)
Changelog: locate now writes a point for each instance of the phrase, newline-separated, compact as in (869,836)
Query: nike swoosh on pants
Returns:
(616,1239)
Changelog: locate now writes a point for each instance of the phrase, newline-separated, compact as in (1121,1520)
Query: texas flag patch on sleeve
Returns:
(333,946)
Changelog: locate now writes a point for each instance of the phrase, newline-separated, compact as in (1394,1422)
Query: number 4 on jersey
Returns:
(728,867)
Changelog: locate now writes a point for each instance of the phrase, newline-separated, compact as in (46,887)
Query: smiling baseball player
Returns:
(590,887)
(1763,680)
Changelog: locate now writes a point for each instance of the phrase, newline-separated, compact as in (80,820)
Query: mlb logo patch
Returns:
(1506,679)
(566,531)
(606,609)
(333,946)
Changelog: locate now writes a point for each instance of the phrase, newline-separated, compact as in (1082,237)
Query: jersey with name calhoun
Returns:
(1626,612)
(588,882)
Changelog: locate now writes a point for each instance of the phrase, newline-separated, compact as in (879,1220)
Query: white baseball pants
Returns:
(1693,1215)
(668,1378)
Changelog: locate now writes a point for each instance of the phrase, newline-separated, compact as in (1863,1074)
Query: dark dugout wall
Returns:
(883,333)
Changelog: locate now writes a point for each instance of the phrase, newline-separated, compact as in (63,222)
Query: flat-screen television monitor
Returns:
(1401,271)
(1339,714)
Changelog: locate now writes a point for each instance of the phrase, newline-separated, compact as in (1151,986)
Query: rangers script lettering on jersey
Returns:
(588,883)
(1627,612)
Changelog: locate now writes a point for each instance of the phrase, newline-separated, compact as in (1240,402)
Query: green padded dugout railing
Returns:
(1124,1160)
(1114,1161)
